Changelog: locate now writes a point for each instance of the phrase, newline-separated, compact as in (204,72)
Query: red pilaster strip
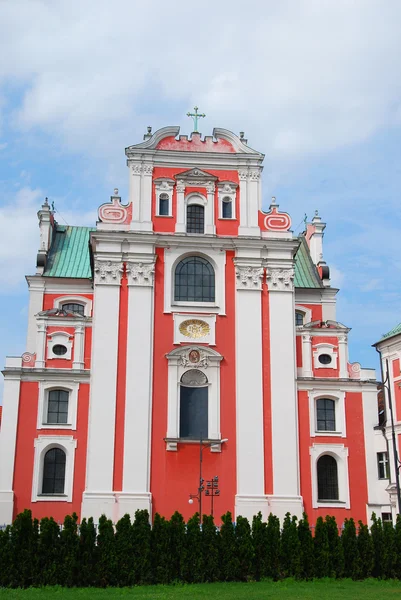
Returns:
(267,407)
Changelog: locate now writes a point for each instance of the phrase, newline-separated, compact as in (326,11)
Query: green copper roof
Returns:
(69,253)
(306,275)
(69,257)
(394,331)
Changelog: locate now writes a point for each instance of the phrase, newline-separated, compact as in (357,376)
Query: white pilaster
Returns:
(180,223)
(40,344)
(98,496)
(250,498)
(249,202)
(8,438)
(146,198)
(343,356)
(283,392)
(243,203)
(79,339)
(36,291)
(135,194)
(138,404)
(307,355)
(210,226)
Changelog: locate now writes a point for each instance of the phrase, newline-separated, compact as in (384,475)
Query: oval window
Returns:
(325,359)
(59,349)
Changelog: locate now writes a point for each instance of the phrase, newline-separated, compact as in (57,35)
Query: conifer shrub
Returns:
(48,552)
(24,545)
(244,548)
(290,548)
(106,559)
(193,564)
(69,551)
(376,531)
(321,549)
(397,547)
(389,556)
(177,546)
(87,553)
(260,542)
(141,540)
(124,552)
(228,558)
(306,548)
(366,551)
(352,566)
(210,550)
(160,550)
(273,535)
(336,553)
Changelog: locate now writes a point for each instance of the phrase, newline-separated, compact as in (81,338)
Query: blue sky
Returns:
(315,85)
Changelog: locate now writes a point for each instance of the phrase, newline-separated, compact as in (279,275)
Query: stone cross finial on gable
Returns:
(195,116)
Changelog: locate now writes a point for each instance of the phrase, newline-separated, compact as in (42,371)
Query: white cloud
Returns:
(298,77)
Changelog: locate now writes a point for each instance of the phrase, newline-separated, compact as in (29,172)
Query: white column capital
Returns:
(280,280)
(249,277)
(108,272)
(147,169)
(140,273)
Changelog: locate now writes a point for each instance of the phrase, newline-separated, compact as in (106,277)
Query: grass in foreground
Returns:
(288,589)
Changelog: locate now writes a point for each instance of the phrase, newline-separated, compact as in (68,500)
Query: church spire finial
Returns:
(195,116)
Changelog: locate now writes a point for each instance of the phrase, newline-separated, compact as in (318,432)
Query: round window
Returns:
(325,359)
(59,349)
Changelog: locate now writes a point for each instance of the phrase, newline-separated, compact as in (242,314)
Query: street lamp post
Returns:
(212,490)
(201,487)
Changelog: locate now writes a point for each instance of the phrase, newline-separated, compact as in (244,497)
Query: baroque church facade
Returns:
(187,325)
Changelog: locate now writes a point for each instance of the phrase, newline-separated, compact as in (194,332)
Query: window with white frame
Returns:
(59,345)
(164,205)
(194,404)
(299,318)
(193,395)
(53,469)
(78,304)
(227,208)
(195,218)
(325,356)
(382,465)
(194,280)
(57,404)
(327,478)
(327,413)
(330,479)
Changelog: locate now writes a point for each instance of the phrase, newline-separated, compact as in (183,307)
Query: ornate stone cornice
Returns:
(281,280)
(108,272)
(249,278)
(140,274)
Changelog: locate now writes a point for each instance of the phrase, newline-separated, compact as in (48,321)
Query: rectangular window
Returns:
(326,415)
(387,517)
(382,465)
(163,205)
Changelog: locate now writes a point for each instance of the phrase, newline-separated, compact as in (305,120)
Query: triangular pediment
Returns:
(196,174)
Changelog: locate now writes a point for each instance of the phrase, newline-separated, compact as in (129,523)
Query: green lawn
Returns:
(284,590)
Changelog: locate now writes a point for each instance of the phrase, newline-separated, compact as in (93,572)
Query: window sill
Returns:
(164,216)
(328,433)
(191,304)
(51,498)
(331,504)
(227,219)
(172,443)
(55,426)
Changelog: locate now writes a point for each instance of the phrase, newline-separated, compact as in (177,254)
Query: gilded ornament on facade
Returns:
(194,328)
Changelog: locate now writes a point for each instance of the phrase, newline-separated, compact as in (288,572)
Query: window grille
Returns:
(163,205)
(74,307)
(327,478)
(194,280)
(54,472)
(326,415)
(194,405)
(195,218)
(57,406)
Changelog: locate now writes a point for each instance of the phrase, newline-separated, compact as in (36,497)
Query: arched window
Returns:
(57,406)
(194,280)
(195,218)
(194,405)
(325,414)
(327,478)
(227,208)
(299,318)
(54,472)
(74,307)
(163,205)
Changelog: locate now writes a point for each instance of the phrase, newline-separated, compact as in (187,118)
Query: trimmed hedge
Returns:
(134,553)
